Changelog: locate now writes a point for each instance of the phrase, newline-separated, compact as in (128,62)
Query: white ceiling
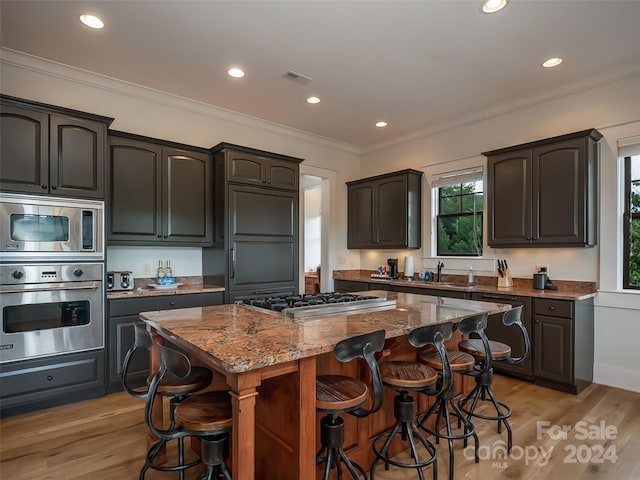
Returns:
(419,65)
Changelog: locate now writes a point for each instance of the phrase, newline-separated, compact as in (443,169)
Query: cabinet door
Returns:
(263,237)
(553,348)
(121,338)
(509,198)
(245,168)
(76,157)
(134,192)
(282,174)
(188,204)
(392,212)
(361,226)
(24,155)
(559,193)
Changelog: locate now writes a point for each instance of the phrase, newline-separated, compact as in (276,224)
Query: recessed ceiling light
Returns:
(313,100)
(552,62)
(235,72)
(381,124)
(493,6)
(91,21)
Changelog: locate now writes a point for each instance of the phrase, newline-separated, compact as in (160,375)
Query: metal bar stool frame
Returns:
(484,378)
(332,424)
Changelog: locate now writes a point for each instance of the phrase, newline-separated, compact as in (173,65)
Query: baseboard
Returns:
(615,376)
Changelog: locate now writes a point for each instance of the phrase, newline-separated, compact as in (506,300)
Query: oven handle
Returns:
(51,288)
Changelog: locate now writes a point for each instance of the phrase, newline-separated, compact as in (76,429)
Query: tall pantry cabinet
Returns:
(256,222)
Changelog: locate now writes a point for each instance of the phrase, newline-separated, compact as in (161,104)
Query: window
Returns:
(631,270)
(459,207)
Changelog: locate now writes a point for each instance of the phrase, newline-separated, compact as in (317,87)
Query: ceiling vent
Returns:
(297,77)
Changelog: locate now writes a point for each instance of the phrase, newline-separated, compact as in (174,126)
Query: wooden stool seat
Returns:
(338,392)
(209,411)
(411,375)
(475,347)
(458,361)
(198,379)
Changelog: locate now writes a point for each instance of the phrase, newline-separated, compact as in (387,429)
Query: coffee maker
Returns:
(393,267)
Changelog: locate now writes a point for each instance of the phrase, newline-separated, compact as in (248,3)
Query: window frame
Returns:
(628,217)
(478,214)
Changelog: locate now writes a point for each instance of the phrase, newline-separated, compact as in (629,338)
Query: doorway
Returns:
(315,187)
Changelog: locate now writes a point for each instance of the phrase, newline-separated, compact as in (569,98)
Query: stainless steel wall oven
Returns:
(48,309)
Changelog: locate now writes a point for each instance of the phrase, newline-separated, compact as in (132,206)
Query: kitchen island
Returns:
(269,363)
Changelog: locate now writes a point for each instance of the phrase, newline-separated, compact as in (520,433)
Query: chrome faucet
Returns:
(440,267)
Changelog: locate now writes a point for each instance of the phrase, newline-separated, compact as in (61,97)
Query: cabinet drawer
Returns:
(60,373)
(133,306)
(553,308)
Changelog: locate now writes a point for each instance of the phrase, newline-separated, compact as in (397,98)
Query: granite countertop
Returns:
(238,338)
(142,289)
(567,290)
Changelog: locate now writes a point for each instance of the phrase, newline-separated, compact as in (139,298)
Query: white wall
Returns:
(612,108)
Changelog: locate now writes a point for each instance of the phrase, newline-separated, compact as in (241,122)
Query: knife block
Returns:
(505,280)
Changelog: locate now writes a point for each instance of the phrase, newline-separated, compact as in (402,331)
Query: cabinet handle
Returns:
(53,187)
(49,377)
(159,236)
(44,187)
(172,304)
(537,322)
(552,308)
(233,263)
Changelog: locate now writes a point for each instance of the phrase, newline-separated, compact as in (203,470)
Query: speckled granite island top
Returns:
(238,338)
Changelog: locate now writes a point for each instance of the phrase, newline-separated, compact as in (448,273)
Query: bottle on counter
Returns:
(470,276)
(168,274)
(161,274)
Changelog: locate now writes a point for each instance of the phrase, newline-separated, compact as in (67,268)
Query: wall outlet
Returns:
(542,266)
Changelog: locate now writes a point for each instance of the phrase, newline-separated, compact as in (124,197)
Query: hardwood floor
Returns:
(105,439)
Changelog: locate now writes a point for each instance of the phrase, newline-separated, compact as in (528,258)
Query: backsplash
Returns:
(143,261)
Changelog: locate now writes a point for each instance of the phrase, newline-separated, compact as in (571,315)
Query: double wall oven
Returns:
(51,276)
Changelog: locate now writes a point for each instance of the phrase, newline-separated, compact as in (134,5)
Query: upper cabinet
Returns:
(261,170)
(385,211)
(544,193)
(158,193)
(51,150)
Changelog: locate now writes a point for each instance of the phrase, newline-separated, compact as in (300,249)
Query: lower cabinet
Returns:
(123,315)
(47,382)
(352,286)
(563,343)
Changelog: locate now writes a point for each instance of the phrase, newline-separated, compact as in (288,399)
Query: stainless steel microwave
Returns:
(36,228)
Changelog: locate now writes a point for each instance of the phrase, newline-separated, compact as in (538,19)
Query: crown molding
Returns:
(540,97)
(51,68)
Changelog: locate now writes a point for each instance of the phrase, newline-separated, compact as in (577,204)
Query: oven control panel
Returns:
(21,274)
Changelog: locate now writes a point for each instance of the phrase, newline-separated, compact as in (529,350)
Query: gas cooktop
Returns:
(319,303)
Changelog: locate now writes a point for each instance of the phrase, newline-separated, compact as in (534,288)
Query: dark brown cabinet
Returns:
(52,151)
(123,315)
(385,211)
(47,382)
(158,193)
(563,343)
(544,194)
(261,170)
(256,222)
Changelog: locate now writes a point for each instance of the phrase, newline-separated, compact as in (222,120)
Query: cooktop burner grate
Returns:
(319,303)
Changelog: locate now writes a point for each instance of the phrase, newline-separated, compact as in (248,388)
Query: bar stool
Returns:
(404,377)
(445,405)
(337,394)
(485,354)
(207,416)
(176,389)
